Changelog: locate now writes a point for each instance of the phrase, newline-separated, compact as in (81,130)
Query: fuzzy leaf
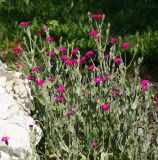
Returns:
(83,157)
(64,146)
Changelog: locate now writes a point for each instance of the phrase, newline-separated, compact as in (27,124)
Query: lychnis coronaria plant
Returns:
(87,106)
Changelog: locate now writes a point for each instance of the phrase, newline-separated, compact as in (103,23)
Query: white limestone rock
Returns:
(15,105)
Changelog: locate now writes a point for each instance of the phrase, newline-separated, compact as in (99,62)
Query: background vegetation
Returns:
(136,20)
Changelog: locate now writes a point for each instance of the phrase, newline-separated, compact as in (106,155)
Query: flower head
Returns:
(94,143)
(42,30)
(30,126)
(17,51)
(51,79)
(70,112)
(145,84)
(40,82)
(91,67)
(97,16)
(125,45)
(93,32)
(156,100)
(113,40)
(5,139)
(60,89)
(64,57)
(62,49)
(52,53)
(60,98)
(83,59)
(68,62)
(89,54)
(116,92)
(18,66)
(105,107)
(118,60)
(36,68)
(30,77)
(23,24)
(71,61)
(74,51)
(106,56)
(50,39)
(99,79)
(75,61)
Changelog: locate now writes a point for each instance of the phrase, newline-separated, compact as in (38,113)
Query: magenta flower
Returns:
(118,60)
(91,67)
(97,16)
(17,51)
(52,53)
(23,24)
(30,77)
(40,82)
(75,51)
(145,81)
(105,107)
(75,61)
(156,100)
(70,112)
(5,139)
(36,68)
(99,79)
(106,56)
(94,144)
(93,32)
(83,59)
(89,53)
(68,62)
(59,98)
(60,89)
(113,40)
(30,126)
(50,39)
(145,84)
(42,30)
(125,45)
(71,61)
(51,79)
(64,57)
(18,66)
(116,92)
(62,49)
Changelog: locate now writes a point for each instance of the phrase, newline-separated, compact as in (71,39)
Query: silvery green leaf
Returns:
(56,51)
(105,156)
(147,143)
(156,154)
(64,146)
(134,105)
(101,148)
(78,91)
(82,157)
